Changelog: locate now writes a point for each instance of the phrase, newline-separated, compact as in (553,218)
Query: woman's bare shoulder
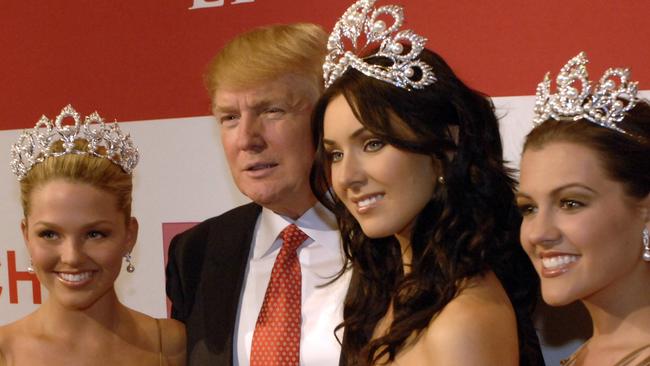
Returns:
(173,340)
(3,344)
(12,335)
(19,328)
(480,319)
(172,336)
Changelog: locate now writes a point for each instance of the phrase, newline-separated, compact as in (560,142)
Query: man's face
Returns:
(265,132)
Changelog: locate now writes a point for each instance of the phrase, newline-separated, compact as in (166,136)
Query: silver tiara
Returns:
(362,19)
(103,140)
(605,106)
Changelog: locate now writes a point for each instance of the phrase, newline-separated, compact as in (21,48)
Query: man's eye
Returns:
(274,112)
(228,118)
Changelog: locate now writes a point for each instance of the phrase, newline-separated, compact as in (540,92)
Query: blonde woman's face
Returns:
(76,237)
(581,230)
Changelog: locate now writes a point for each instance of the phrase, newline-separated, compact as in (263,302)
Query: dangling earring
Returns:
(129,265)
(30,269)
(441,180)
(646,244)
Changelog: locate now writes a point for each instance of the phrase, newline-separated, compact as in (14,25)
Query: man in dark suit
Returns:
(263,85)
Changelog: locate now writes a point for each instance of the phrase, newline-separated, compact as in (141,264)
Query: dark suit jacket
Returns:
(205,275)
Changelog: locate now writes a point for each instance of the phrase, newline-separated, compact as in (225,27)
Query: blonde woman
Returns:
(76,186)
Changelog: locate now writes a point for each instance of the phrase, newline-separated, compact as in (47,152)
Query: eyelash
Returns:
(569,204)
(272,110)
(227,118)
(51,235)
(564,204)
(367,144)
(47,234)
(99,234)
(525,209)
(371,145)
(334,156)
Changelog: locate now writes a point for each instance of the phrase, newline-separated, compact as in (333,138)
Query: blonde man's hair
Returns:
(267,53)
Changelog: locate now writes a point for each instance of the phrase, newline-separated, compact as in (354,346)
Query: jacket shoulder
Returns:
(238,217)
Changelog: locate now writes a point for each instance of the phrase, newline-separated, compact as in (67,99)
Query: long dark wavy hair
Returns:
(470,225)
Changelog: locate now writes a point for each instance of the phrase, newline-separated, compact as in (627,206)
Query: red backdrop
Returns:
(143,59)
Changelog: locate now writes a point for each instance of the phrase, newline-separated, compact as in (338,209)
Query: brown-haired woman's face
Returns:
(580,229)
(383,187)
(76,237)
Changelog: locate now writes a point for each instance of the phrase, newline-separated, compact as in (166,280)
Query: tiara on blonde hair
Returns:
(53,139)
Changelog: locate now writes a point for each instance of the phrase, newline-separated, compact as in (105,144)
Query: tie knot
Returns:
(292,237)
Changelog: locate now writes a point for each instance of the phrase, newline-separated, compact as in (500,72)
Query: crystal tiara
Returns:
(405,71)
(604,105)
(103,140)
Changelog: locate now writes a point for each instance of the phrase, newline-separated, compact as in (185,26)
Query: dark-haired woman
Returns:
(410,160)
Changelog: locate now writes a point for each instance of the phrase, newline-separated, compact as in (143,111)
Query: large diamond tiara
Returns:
(406,71)
(606,105)
(103,140)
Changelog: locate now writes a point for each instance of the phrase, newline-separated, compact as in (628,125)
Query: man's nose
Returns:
(250,134)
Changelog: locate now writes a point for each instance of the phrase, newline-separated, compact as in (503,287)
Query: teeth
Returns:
(261,166)
(558,261)
(75,277)
(369,201)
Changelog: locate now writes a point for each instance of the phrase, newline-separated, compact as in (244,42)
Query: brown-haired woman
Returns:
(409,159)
(585,199)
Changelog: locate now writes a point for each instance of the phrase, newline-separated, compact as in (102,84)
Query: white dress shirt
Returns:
(320,258)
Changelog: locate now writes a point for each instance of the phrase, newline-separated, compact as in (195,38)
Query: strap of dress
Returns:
(572,359)
(625,361)
(632,355)
(160,352)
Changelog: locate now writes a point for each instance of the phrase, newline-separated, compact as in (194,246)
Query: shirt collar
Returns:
(317,222)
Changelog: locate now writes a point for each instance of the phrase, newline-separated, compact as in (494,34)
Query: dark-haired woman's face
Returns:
(581,230)
(383,187)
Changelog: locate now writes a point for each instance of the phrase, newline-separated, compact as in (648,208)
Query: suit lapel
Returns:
(223,274)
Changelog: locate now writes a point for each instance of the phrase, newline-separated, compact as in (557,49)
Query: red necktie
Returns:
(276,340)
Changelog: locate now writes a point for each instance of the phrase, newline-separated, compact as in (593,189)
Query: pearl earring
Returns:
(129,266)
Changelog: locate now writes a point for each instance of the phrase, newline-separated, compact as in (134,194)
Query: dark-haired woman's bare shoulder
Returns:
(173,341)
(478,327)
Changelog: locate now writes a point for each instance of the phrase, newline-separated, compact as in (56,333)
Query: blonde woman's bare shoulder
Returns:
(3,344)
(12,335)
(478,327)
(173,341)
(169,332)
